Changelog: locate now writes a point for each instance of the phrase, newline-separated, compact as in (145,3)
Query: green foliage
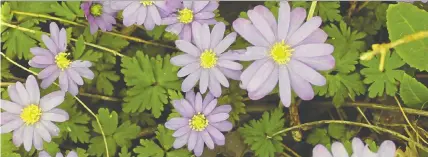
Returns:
(117,135)
(404,19)
(413,93)
(386,80)
(336,131)
(373,15)
(319,136)
(76,127)
(7,147)
(233,96)
(17,43)
(69,10)
(149,79)
(256,131)
(329,11)
(150,148)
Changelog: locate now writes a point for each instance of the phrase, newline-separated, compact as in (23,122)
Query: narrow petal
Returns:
(357,146)
(62,40)
(267,87)
(176,123)
(187,47)
(182,60)
(320,151)
(216,134)
(181,131)
(188,108)
(52,100)
(51,127)
(175,28)
(72,87)
(300,86)
(387,149)
(10,107)
(232,74)
(81,64)
(247,30)
(6,117)
(223,125)
(72,154)
(48,71)
(63,81)
(190,96)
(222,109)
(196,35)
(18,137)
(55,115)
(318,36)
(199,146)
(43,132)
(190,81)
(37,141)
(149,24)
(213,118)
(206,40)
(198,6)
(169,20)
(186,33)
(260,76)
(188,69)
(210,107)
(213,5)
(128,20)
(220,77)
(319,63)
(262,25)
(229,65)
(50,45)
(38,51)
(204,15)
(198,103)
(338,149)
(297,17)
(143,16)
(368,153)
(214,85)
(35,65)
(249,73)
(85,72)
(181,141)
(217,34)
(304,31)
(225,43)
(131,9)
(208,98)
(74,76)
(44,154)
(283,20)
(313,50)
(49,80)
(207,139)
(23,94)
(155,15)
(268,16)
(307,73)
(43,60)
(28,137)
(33,89)
(13,94)
(10,126)
(284,86)
(204,80)
(192,140)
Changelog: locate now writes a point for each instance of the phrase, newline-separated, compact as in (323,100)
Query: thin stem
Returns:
(385,130)
(5,84)
(102,97)
(80,101)
(285,154)
(293,110)
(312,10)
(407,120)
(82,25)
(72,39)
(362,6)
(290,150)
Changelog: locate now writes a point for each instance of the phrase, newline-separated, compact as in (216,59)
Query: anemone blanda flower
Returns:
(180,22)
(99,15)
(29,116)
(200,122)
(46,154)
(149,13)
(288,52)
(206,60)
(386,149)
(55,62)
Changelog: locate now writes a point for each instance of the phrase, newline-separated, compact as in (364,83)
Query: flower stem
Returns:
(102,97)
(385,130)
(72,39)
(80,101)
(312,10)
(408,122)
(290,150)
(82,25)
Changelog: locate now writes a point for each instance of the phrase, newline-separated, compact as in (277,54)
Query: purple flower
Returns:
(70,154)
(386,149)
(288,52)
(56,63)
(99,15)
(148,13)
(206,60)
(181,21)
(29,116)
(201,122)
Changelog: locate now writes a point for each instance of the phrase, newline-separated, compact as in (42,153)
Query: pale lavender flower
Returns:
(55,62)
(149,13)
(206,60)
(29,116)
(386,149)
(180,22)
(201,122)
(288,52)
(70,154)
(99,15)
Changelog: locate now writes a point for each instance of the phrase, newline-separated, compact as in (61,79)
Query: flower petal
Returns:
(188,69)
(213,118)
(38,51)
(232,74)
(51,127)
(182,60)
(307,73)
(37,141)
(214,85)
(229,65)
(203,81)
(304,31)
(320,151)
(319,63)
(43,60)
(217,34)
(73,75)
(28,137)
(357,146)
(176,123)
(223,125)
(175,28)
(33,89)
(155,15)
(222,109)
(63,81)
(283,20)
(23,94)
(13,94)
(48,71)
(186,33)
(216,134)
(193,138)
(284,86)
(220,77)
(62,40)
(52,100)
(191,80)
(247,30)
(207,139)
(187,47)
(250,72)
(198,103)
(267,87)
(313,50)
(199,146)
(386,149)
(260,76)
(297,17)
(10,107)
(210,107)
(12,125)
(49,80)
(267,15)
(181,131)
(196,34)
(225,43)
(43,132)
(181,141)
(300,86)
(206,37)
(318,36)
(6,117)
(18,136)
(131,9)
(85,72)
(262,25)
(198,6)
(50,44)
(208,98)
(338,149)
(190,96)
(55,115)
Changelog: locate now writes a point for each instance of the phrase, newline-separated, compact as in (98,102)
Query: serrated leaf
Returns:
(336,131)
(386,80)
(413,93)
(51,147)
(6,14)
(124,152)
(328,11)
(148,148)
(233,96)
(149,80)
(125,133)
(79,52)
(255,132)
(178,153)
(69,10)
(7,147)
(76,127)
(97,147)
(112,42)
(165,137)
(404,19)
(109,121)
(318,136)
(18,43)
(81,152)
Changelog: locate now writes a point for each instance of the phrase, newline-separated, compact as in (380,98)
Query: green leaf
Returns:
(81,152)
(373,15)
(318,136)
(255,132)
(124,152)
(69,10)
(404,19)
(97,147)
(6,14)
(336,131)
(148,148)
(7,147)
(106,76)
(149,80)
(112,42)
(329,11)
(178,153)
(125,133)
(79,52)
(413,93)
(5,69)
(18,43)
(76,127)
(233,96)
(109,121)
(386,80)
(165,137)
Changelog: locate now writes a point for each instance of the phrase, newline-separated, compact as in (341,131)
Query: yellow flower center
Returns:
(208,59)
(31,114)
(146,3)
(281,52)
(185,16)
(96,9)
(198,122)
(62,61)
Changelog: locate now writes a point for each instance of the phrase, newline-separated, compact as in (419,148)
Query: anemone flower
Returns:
(70,154)
(180,22)
(205,60)
(288,52)
(99,15)
(29,116)
(55,62)
(200,122)
(386,149)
